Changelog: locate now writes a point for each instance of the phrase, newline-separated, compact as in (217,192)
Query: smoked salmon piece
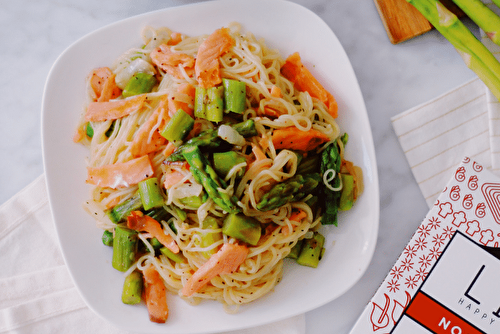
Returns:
(182,99)
(102,81)
(170,61)
(155,295)
(120,175)
(207,60)
(227,260)
(143,223)
(295,71)
(294,139)
(103,111)
(141,143)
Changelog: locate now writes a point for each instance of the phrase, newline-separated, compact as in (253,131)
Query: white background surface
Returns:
(393,78)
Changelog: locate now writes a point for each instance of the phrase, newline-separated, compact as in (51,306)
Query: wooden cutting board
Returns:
(402,21)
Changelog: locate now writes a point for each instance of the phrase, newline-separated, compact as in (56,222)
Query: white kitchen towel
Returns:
(436,135)
(37,294)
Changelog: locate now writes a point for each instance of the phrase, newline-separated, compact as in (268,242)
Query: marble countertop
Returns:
(393,78)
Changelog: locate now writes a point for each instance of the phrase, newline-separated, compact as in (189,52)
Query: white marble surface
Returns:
(393,78)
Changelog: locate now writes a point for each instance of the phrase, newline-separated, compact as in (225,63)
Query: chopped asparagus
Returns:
(224,161)
(331,160)
(132,288)
(125,245)
(178,127)
(150,193)
(121,211)
(294,189)
(89,130)
(311,251)
(209,236)
(234,95)
(205,175)
(241,227)
(209,139)
(194,201)
(140,83)
(209,103)
(295,251)
(107,238)
(176,257)
(346,200)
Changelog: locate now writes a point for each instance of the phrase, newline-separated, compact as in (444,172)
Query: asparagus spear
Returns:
(477,57)
(294,189)
(207,177)
(331,160)
(484,17)
(210,139)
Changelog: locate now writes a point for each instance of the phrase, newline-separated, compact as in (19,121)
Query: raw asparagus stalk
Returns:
(294,189)
(484,17)
(476,56)
(205,175)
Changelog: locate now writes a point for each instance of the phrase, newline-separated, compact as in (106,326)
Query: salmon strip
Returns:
(143,223)
(141,145)
(170,61)
(295,71)
(227,260)
(120,175)
(294,139)
(103,111)
(102,81)
(185,92)
(175,38)
(155,295)
(207,60)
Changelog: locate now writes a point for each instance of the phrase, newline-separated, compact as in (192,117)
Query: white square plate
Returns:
(285,26)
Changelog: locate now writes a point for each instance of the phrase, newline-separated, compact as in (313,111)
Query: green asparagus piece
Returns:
(207,177)
(234,95)
(215,104)
(311,251)
(295,251)
(209,103)
(294,189)
(150,193)
(346,200)
(224,161)
(194,201)
(107,238)
(210,139)
(158,214)
(331,160)
(155,243)
(124,248)
(140,83)
(89,130)
(178,127)
(176,257)
(484,17)
(309,164)
(132,288)
(476,56)
(121,211)
(209,236)
(241,227)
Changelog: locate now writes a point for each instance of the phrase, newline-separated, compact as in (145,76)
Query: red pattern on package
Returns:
(469,203)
